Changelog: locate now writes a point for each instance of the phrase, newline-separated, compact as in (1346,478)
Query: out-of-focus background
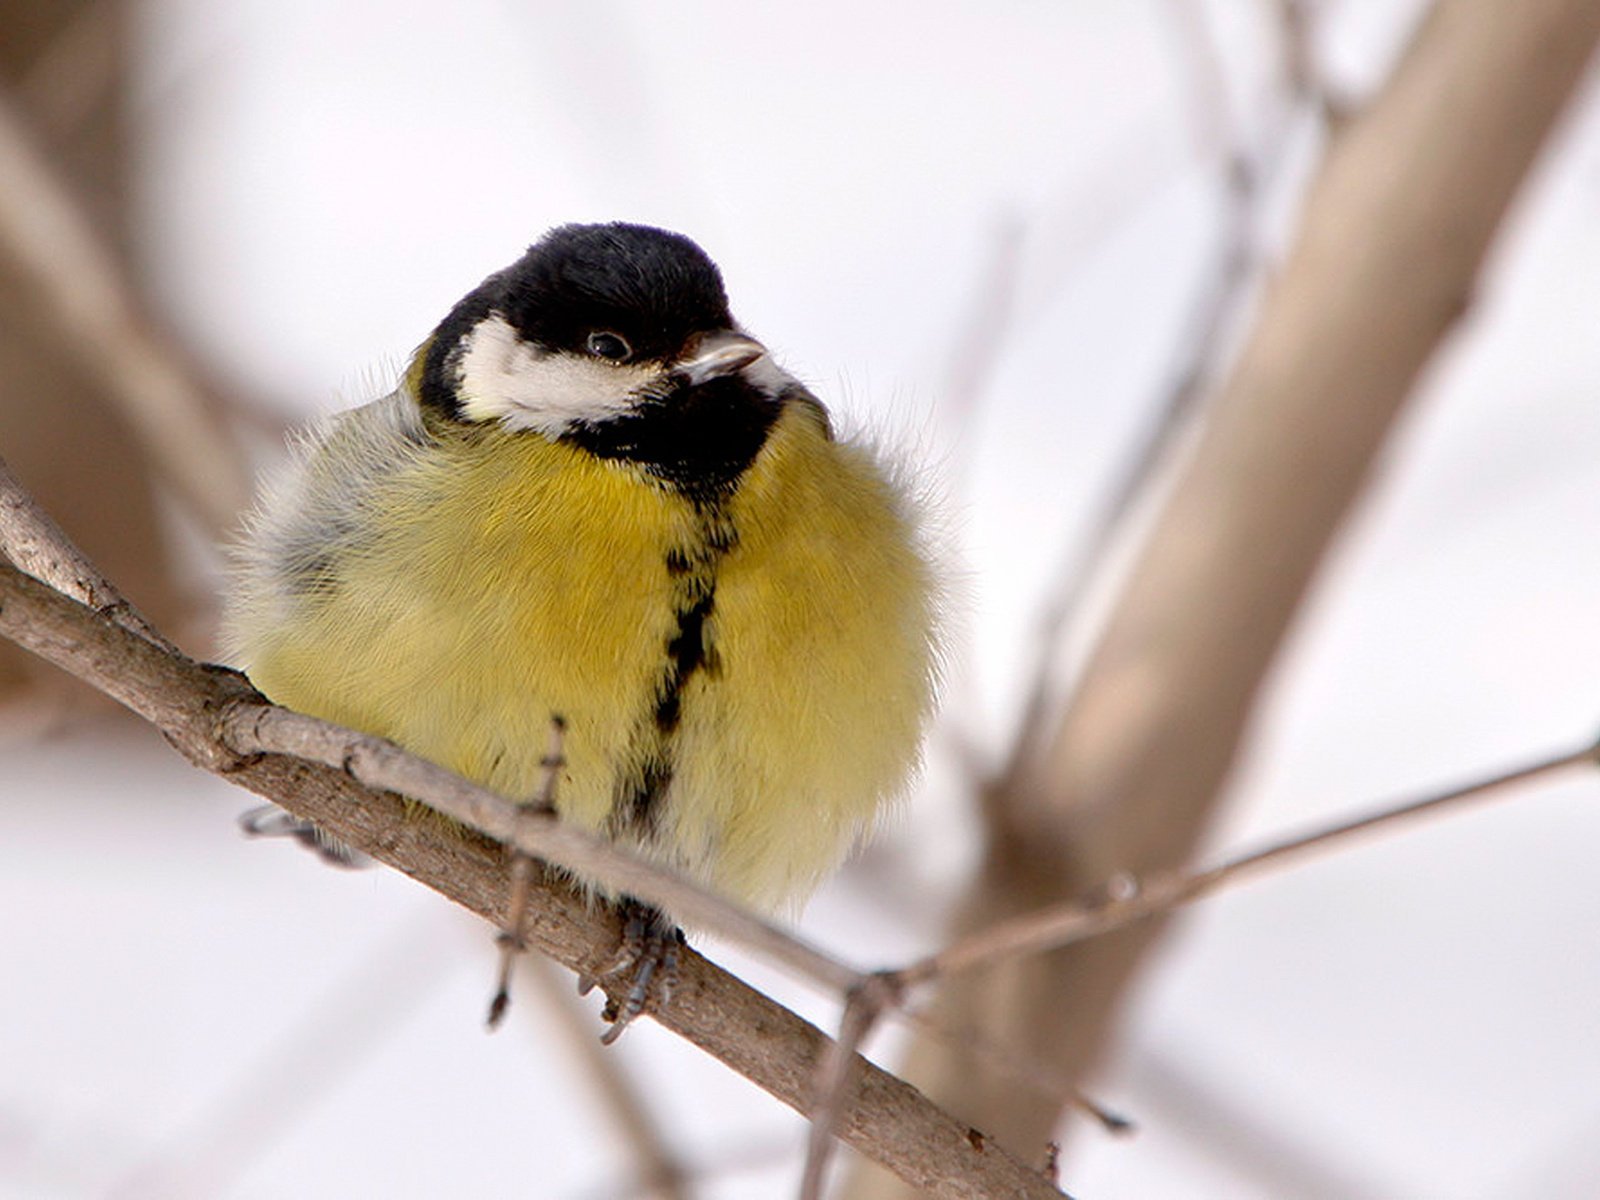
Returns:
(986,233)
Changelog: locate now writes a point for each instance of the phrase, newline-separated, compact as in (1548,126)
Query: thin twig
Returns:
(1389,251)
(978,1046)
(1303,74)
(255,728)
(863,1006)
(259,1104)
(1202,347)
(1270,1156)
(26,532)
(194,705)
(1129,900)
(980,337)
(659,1173)
(34,541)
(511,940)
(881,995)
(81,289)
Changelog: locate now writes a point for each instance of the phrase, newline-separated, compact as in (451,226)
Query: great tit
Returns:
(593,496)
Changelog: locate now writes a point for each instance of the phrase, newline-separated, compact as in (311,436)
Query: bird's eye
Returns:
(610,346)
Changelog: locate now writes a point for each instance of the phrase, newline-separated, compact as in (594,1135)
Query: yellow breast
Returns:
(744,681)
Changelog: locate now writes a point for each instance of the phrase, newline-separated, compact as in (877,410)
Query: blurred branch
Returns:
(1301,71)
(1214,310)
(1126,899)
(1249,1134)
(67,64)
(30,538)
(659,1174)
(215,719)
(734,1155)
(81,288)
(76,71)
(983,333)
(33,541)
(254,726)
(983,1050)
(1394,232)
(1139,759)
(863,1006)
(261,1103)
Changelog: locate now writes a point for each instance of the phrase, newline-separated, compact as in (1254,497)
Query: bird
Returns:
(594,498)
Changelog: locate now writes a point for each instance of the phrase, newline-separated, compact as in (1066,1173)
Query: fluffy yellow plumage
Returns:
(731,609)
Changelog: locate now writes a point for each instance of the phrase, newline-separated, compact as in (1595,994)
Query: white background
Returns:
(186,1014)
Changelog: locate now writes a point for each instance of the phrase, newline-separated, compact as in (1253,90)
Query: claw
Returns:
(650,948)
(628,949)
(268,820)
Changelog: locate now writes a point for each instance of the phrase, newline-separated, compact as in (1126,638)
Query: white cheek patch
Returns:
(503,378)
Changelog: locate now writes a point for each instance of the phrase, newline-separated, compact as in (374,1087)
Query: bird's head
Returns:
(594,324)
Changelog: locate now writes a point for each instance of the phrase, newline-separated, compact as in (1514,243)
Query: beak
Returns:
(714,355)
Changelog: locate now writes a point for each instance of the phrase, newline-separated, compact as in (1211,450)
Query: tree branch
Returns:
(1395,229)
(835,1072)
(53,243)
(216,720)
(1213,311)
(1128,900)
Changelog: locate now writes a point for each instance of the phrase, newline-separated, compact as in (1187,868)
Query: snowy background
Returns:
(183,1013)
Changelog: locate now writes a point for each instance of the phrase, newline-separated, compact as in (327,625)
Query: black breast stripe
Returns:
(697,442)
(689,650)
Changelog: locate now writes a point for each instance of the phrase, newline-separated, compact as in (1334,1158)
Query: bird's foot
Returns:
(268,820)
(648,956)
